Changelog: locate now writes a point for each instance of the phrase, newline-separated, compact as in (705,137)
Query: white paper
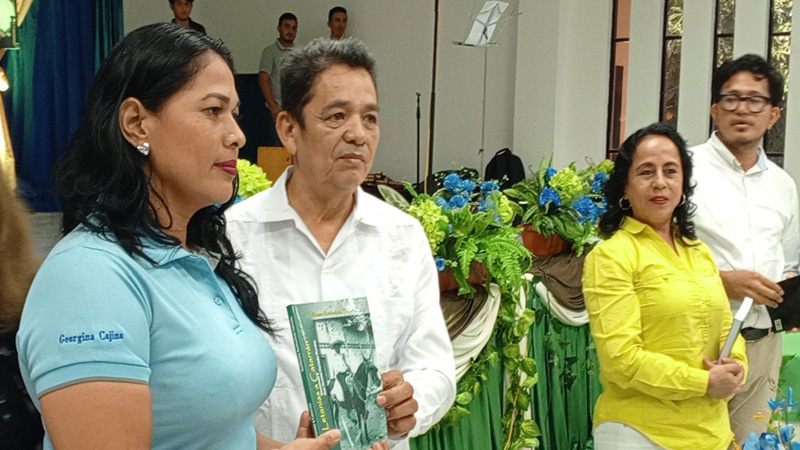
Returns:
(485,23)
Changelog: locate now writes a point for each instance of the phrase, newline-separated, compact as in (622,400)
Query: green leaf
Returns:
(392,196)
(523,401)
(511,350)
(529,428)
(529,366)
(464,398)
(530,381)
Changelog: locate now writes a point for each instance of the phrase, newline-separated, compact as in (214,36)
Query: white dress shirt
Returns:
(380,253)
(749,219)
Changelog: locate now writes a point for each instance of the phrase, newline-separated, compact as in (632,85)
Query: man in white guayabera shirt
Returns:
(316,236)
(747,213)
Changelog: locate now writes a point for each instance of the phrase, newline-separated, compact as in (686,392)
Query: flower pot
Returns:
(540,245)
(477,275)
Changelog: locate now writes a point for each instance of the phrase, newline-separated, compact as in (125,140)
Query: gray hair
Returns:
(300,69)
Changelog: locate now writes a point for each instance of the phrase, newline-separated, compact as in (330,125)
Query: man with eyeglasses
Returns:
(747,213)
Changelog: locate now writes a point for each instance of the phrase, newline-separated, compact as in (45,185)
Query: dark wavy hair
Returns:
(754,64)
(102,181)
(615,187)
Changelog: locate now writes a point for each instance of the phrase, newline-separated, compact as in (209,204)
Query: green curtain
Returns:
(562,401)
(480,430)
(568,387)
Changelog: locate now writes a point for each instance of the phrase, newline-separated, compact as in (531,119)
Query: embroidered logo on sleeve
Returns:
(108,336)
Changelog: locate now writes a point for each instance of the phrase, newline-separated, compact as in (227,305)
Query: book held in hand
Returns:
(787,315)
(736,327)
(336,351)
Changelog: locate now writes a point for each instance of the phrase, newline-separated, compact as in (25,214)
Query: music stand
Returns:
(481,34)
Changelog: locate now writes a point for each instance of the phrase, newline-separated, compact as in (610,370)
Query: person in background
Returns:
(315,235)
(657,308)
(139,331)
(337,22)
(20,424)
(182,9)
(269,69)
(747,213)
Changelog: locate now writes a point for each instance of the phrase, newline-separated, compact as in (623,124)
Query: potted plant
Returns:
(561,205)
(469,224)
(469,227)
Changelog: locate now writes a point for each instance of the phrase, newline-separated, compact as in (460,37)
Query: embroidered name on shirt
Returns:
(109,336)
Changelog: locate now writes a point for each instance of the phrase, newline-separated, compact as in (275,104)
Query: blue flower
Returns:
(769,441)
(752,442)
(452,182)
(586,208)
(787,431)
(487,204)
(440,264)
(457,201)
(467,186)
(601,176)
(549,174)
(602,207)
(795,445)
(442,203)
(489,186)
(774,404)
(549,195)
(790,398)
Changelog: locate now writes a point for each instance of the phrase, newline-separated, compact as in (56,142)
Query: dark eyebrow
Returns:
(222,97)
(371,107)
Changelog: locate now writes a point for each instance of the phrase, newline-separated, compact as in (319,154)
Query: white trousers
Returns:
(618,436)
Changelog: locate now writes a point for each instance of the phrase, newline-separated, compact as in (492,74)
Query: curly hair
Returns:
(19,264)
(615,187)
(103,183)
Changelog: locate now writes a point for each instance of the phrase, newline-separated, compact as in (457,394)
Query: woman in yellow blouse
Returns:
(657,308)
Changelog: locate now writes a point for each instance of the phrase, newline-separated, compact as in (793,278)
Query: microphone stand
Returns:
(419,115)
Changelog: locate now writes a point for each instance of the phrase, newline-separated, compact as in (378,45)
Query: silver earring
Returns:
(623,206)
(144,148)
(683,200)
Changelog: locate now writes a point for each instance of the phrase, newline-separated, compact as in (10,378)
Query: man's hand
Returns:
(747,283)
(397,398)
(724,377)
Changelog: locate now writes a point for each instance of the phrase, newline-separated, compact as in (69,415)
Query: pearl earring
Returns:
(144,148)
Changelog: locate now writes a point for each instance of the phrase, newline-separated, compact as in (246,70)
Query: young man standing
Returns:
(269,69)
(182,9)
(337,22)
(747,213)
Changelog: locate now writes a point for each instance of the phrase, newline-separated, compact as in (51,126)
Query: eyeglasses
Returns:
(754,103)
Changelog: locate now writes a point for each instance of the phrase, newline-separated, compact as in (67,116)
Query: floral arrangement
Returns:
(465,223)
(780,432)
(252,179)
(468,221)
(565,202)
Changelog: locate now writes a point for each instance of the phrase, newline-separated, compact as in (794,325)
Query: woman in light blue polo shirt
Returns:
(139,331)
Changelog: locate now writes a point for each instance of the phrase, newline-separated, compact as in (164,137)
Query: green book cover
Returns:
(336,351)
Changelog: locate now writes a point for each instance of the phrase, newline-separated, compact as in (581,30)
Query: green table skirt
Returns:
(562,402)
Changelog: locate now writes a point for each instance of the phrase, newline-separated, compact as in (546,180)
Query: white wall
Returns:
(400,34)
(562,80)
